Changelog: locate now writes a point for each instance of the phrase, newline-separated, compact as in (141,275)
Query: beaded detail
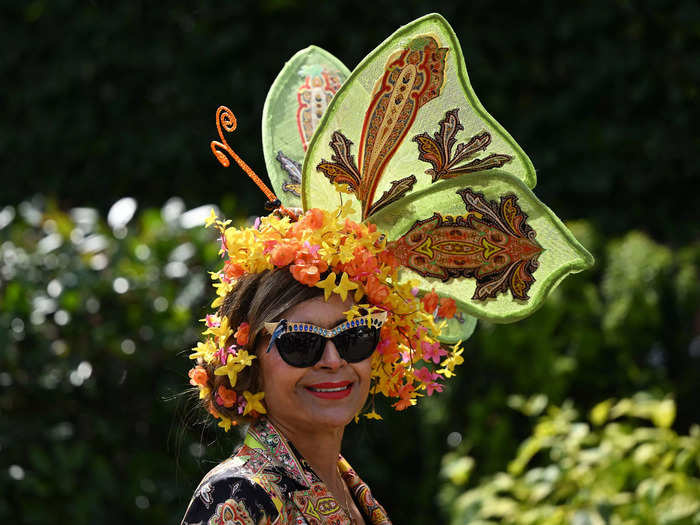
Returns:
(375,321)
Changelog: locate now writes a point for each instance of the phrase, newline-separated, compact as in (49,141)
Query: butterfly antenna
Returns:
(226,119)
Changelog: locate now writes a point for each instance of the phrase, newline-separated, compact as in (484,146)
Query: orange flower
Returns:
(448,308)
(376,291)
(308,275)
(212,410)
(198,376)
(283,253)
(241,334)
(430,301)
(233,270)
(406,398)
(366,262)
(225,396)
(388,258)
(313,219)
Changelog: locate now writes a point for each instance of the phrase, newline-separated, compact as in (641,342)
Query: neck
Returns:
(320,447)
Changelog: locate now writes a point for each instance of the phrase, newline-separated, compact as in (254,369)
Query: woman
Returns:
(289,468)
(420,209)
(294,349)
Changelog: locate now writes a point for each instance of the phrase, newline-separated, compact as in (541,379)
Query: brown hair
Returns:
(256,299)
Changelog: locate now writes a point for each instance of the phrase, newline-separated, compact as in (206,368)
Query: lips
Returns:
(337,390)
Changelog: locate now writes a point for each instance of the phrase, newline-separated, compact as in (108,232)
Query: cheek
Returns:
(364,371)
(278,379)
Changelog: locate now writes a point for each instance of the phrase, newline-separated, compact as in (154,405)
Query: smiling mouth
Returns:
(331,390)
(337,389)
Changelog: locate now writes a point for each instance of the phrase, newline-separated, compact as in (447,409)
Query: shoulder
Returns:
(242,489)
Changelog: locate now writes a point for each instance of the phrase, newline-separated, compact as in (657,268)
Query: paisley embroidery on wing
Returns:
(313,97)
(492,243)
(412,76)
(293,169)
(437,150)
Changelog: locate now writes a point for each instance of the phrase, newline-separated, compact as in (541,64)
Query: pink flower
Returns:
(432,351)
(240,404)
(424,375)
(269,245)
(223,353)
(432,387)
(212,321)
(383,345)
(312,248)
(428,378)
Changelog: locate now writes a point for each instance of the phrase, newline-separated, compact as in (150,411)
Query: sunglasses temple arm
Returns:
(281,327)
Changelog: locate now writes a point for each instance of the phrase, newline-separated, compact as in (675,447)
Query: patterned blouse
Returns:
(267,482)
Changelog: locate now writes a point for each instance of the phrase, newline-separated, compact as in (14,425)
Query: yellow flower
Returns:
(344,286)
(221,332)
(225,423)
(204,392)
(204,350)
(346,210)
(372,415)
(243,358)
(359,294)
(254,402)
(453,360)
(211,219)
(346,253)
(343,188)
(231,369)
(328,284)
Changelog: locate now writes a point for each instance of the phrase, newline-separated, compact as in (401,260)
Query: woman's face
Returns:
(292,395)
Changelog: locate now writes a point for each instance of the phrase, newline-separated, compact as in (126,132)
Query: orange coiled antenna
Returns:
(225,117)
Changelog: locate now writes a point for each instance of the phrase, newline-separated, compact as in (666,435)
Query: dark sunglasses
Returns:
(302,344)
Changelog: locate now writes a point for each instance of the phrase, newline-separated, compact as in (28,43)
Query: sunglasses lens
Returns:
(357,344)
(300,349)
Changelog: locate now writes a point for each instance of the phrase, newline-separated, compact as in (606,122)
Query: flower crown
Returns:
(409,361)
(417,202)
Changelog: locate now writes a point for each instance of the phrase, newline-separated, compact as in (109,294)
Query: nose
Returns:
(331,359)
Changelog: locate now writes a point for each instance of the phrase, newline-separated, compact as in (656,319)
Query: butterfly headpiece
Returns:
(414,200)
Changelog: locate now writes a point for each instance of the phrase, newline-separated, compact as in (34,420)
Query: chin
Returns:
(320,412)
(333,416)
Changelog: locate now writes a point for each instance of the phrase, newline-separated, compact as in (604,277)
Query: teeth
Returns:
(339,389)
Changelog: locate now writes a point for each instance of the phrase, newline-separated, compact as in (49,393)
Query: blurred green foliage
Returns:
(96,318)
(92,321)
(617,470)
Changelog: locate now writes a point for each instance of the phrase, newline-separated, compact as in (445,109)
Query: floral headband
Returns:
(435,222)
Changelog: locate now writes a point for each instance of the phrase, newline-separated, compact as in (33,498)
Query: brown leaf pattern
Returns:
(413,76)
(398,189)
(492,243)
(437,150)
(342,168)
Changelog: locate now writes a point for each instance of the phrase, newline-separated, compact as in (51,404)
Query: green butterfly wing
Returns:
(485,240)
(293,109)
(405,119)
(407,140)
